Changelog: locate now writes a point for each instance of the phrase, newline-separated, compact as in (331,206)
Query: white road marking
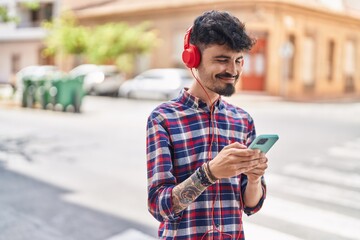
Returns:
(324,174)
(131,234)
(316,191)
(312,217)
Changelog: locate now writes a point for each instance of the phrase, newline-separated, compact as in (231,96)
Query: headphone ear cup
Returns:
(191,56)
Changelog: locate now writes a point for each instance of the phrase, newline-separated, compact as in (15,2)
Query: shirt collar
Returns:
(194,102)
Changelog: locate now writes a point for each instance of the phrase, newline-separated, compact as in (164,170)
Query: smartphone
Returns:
(264,142)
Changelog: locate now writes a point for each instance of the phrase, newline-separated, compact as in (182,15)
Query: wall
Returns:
(28,53)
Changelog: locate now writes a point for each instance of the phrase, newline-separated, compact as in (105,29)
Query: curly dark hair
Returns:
(221,28)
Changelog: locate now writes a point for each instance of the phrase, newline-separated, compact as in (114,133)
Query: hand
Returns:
(235,159)
(254,175)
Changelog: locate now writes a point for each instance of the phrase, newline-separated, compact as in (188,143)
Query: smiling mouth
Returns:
(228,79)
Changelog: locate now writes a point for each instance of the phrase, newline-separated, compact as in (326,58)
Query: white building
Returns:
(21,41)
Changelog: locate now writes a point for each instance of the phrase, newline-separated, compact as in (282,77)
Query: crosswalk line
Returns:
(324,174)
(312,217)
(315,191)
(348,149)
(256,232)
(131,234)
(345,152)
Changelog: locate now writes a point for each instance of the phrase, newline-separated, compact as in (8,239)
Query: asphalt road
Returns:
(83,176)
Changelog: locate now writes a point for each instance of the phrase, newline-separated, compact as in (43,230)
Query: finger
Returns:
(259,170)
(243,152)
(261,157)
(238,157)
(235,145)
(263,160)
(255,172)
(248,165)
(245,170)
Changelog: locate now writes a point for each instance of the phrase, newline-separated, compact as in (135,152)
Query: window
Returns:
(330,60)
(15,63)
(349,65)
(259,64)
(287,52)
(308,62)
(34,17)
(247,64)
(292,57)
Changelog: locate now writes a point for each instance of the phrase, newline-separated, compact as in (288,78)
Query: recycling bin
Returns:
(56,92)
(66,93)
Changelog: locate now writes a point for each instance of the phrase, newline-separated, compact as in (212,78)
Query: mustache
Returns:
(226,75)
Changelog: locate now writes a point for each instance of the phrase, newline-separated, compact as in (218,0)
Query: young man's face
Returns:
(220,69)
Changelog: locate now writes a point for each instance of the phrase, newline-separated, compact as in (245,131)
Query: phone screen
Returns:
(264,142)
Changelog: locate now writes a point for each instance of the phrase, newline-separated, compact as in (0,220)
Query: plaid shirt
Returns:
(178,141)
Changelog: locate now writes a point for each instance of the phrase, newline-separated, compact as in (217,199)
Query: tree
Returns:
(118,43)
(110,43)
(5,17)
(66,36)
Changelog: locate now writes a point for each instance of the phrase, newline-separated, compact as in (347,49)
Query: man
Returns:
(201,175)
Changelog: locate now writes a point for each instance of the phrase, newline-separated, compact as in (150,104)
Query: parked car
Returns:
(161,83)
(99,79)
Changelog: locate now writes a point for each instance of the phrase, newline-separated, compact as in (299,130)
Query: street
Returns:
(83,176)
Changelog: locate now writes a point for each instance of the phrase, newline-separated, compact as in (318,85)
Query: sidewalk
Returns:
(253,97)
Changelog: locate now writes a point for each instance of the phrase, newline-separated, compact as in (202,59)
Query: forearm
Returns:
(186,192)
(253,193)
(189,190)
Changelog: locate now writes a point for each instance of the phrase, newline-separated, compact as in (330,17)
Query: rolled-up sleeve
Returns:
(251,210)
(247,210)
(160,176)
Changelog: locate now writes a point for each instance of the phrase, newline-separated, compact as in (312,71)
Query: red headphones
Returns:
(191,54)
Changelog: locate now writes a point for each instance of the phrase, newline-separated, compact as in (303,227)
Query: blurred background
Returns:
(79,78)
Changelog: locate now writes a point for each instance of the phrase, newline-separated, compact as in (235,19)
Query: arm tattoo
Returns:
(186,192)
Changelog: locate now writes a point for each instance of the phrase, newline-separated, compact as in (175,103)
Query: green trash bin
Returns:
(28,94)
(43,93)
(67,93)
(35,90)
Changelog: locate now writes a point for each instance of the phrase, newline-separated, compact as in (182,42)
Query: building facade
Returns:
(305,49)
(21,41)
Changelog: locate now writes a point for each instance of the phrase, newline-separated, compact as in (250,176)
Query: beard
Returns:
(229,88)
(226,91)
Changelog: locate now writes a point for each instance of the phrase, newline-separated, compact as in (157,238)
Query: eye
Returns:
(222,60)
(240,61)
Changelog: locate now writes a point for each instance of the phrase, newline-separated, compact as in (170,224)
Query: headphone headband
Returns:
(187,37)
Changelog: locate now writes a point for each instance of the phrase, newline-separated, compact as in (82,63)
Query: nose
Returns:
(233,68)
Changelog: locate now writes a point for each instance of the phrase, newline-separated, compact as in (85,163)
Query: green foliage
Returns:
(110,43)
(66,36)
(119,43)
(31,5)
(4,16)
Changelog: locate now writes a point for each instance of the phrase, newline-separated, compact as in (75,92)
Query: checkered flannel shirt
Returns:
(178,141)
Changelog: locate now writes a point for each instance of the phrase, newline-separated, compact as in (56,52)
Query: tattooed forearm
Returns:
(186,192)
